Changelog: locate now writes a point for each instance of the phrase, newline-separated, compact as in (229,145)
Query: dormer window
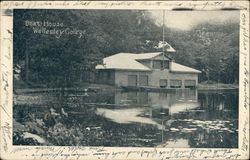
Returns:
(165,64)
(159,64)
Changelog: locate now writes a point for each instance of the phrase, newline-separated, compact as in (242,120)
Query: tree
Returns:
(55,61)
(59,62)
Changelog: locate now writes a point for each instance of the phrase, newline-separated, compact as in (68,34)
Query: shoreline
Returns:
(107,88)
(23,87)
(217,86)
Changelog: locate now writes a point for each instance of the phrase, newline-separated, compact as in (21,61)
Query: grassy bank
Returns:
(23,87)
(216,86)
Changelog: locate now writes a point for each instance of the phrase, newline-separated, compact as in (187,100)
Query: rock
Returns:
(40,122)
(18,126)
(33,136)
(33,126)
(174,129)
(189,129)
(88,128)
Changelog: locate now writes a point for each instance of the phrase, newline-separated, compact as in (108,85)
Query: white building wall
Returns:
(121,77)
(165,74)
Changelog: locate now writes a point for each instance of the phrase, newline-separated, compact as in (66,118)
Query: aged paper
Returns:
(9,150)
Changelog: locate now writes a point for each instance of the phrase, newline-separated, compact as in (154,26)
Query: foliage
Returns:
(211,48)
(61,62)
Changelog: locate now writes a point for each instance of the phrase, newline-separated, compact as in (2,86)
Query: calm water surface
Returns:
(185,118)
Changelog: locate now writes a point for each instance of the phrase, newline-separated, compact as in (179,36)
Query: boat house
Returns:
(145,70)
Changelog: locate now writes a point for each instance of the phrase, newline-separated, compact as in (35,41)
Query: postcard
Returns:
(124,80)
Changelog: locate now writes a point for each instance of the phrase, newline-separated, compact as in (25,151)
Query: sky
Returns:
(185,20)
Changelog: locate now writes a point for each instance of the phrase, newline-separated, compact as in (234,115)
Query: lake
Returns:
(183,119)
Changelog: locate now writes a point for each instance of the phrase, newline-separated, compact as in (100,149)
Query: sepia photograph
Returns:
(126,78)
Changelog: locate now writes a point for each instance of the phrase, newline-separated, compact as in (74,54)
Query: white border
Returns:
(8,151)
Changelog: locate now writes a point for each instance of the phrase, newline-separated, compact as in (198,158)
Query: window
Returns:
(165,64)
(163,83)
(132,80)
(159,64)
(190,83)
(174,83)
(143,80)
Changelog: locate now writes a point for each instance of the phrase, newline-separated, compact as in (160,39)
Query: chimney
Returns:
(170,64)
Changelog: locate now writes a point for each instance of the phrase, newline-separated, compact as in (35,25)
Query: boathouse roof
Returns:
(130,61)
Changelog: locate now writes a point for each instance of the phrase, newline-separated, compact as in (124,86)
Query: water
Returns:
(183,119)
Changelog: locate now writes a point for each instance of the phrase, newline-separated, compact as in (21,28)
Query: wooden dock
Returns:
(44,90)
(152,89)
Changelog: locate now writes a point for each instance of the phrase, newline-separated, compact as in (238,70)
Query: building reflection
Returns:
(159,104)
